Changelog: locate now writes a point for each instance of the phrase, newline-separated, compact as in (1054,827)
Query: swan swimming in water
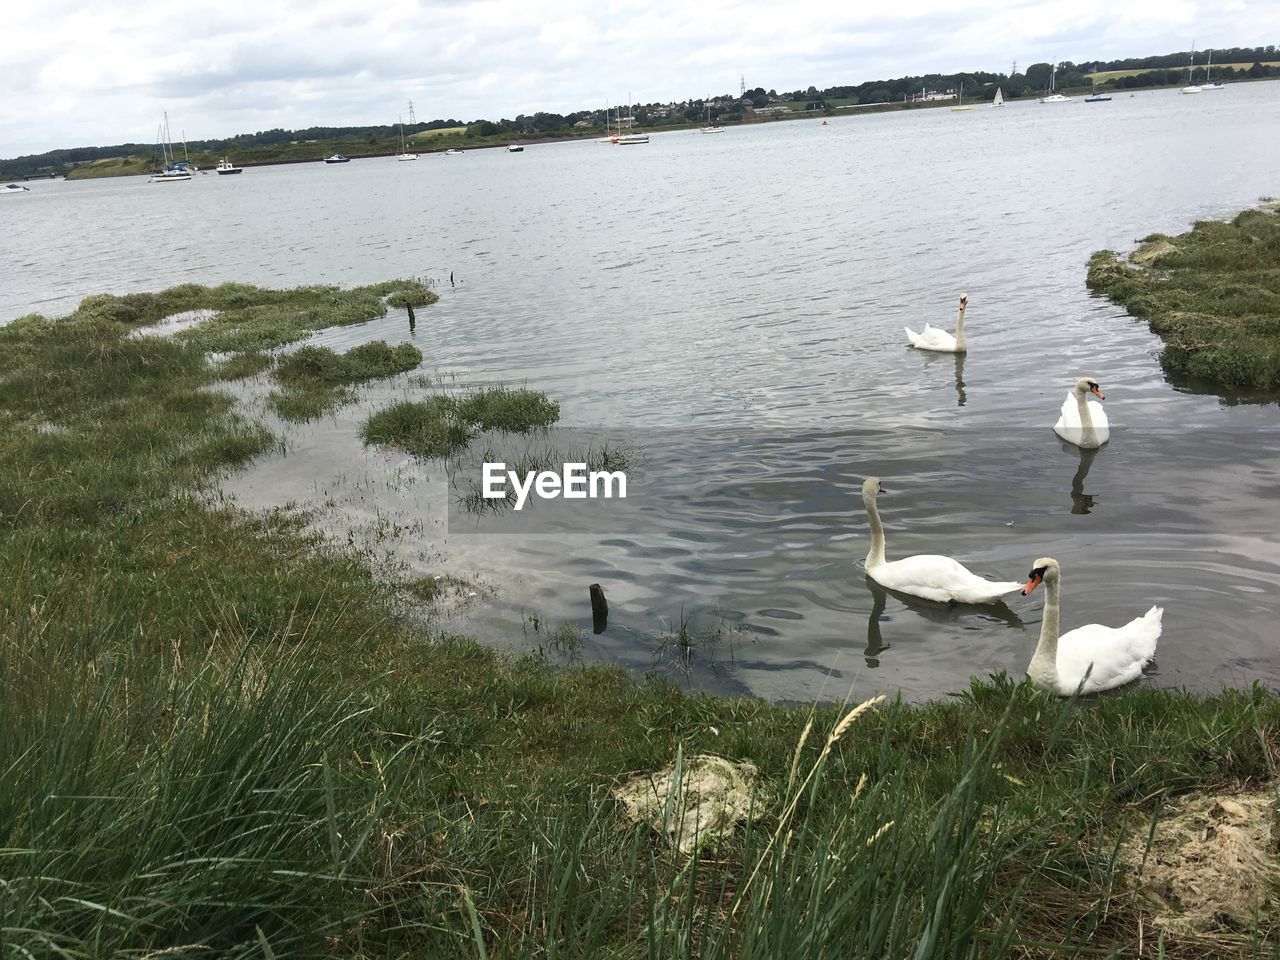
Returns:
(935,338)
(1083,422)
(1111,656)
(924,575)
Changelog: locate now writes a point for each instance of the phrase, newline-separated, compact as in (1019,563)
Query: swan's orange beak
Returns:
(1032,582)
(1097,392)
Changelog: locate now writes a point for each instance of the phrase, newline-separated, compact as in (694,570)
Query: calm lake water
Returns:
(733,305)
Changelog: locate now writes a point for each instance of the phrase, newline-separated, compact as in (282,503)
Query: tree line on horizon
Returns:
(1165,69)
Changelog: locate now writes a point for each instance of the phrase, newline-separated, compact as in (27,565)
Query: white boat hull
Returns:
(169,177)
(1191,89)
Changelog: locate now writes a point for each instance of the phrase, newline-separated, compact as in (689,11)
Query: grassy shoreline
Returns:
(1213,296)
(222,737)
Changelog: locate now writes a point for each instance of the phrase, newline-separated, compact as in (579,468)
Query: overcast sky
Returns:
(76,73)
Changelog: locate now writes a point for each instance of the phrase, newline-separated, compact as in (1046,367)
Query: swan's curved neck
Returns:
(1088,435)
(875,556)
(960,345)
(1044,662)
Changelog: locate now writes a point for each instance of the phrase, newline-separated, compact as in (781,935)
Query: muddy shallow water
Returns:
(733,306)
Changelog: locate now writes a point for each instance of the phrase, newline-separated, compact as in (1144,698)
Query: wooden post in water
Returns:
(413,321)
(599,609)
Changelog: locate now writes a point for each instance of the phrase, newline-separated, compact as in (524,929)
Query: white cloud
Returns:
(77,74)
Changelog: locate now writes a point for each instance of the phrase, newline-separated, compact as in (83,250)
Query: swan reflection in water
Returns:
(1081,502)
(929,610)
(947,358)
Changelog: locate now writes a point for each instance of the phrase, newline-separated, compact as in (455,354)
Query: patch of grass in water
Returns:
(303,402)
(427,428)
(442,425)
(240,366)
(368,361)
(515,411)
(1212,294)
(315,379)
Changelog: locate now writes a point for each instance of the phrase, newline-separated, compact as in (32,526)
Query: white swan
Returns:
(1115,654)
(924,575)
(1083,422)
(935,338)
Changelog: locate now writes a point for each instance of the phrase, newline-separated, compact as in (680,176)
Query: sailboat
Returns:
(632,137)
(1192,86)
(174,170)
(960,105)
(711,127)
(999,100)
(1054,97)
(404,154)
(1211,84)
(1096,97)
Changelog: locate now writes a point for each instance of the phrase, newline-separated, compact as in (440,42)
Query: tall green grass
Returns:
(147,803)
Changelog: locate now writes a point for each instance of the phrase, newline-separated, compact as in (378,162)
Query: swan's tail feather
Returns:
(912,336)
(994,591)
(1151,629)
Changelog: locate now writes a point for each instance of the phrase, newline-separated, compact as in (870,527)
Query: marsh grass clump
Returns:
(1212,294)
(428,428)
(442,424)
(515,411)
(367,361)
(240,366)
(316,379)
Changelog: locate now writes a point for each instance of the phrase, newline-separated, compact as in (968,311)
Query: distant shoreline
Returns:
(139,166)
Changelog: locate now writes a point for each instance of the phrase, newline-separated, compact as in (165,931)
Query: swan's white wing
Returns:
(1069,418)
(938,578)
(932,338)
(1100,425)
(1117,654)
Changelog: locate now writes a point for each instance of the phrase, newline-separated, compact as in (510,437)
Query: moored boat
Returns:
(337,158)
(711,127)
(1192,86)
(174,170)
(225,167)
(514,148)
(1053,96)
(960,107)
